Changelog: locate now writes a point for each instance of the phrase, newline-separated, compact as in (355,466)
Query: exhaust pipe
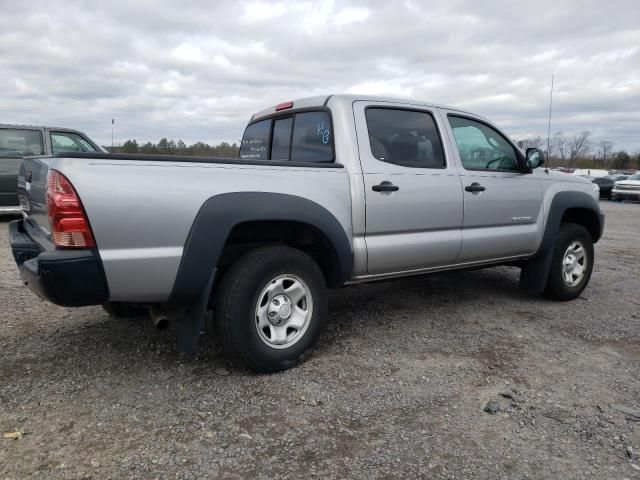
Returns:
(159,318)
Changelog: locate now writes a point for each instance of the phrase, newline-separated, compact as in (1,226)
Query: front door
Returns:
(412,190)
(502,200)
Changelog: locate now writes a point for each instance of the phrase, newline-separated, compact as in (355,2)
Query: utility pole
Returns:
(112,123)
(549,124)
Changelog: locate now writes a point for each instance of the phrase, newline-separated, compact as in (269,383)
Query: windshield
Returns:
(635,176)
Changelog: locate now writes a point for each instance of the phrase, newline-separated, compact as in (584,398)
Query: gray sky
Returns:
(197,70)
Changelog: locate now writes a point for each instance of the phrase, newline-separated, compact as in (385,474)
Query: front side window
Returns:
(69,142)
(312,138)
(17,142)
(255,143)
(404,137)
(481,147)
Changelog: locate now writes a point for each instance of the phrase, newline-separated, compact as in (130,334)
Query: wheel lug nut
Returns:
(276,302)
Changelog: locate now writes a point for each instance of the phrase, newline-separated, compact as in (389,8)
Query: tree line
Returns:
(171,147)
(580,151)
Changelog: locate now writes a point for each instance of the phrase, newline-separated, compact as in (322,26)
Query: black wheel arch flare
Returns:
(221,213)
(533,278)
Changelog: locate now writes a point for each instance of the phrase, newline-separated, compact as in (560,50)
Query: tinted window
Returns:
(255,142)
(281,139)
(312,140)
(481,147)
(20,143)
(404,137)
(69,142)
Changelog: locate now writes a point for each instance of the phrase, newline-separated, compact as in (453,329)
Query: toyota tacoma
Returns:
(326,191)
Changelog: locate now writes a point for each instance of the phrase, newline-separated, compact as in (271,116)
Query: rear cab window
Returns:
(19,142)
(69,142)
(304,136)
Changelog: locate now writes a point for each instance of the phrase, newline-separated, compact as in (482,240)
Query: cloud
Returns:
(198,70)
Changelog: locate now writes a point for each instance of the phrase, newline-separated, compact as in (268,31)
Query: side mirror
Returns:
(535,158)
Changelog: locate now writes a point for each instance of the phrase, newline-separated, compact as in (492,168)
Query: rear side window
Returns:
(312,138)
(300,137)
(255,143)
(15,142)
(69,142)
(404,137)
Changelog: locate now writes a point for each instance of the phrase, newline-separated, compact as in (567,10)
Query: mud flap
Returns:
(534,275)
(193,320)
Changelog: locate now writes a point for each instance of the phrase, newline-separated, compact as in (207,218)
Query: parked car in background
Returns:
(326,191)
(18,141)
(591,172)
(628,189)
(606,184)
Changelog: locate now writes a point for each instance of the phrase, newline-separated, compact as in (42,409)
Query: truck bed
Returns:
(141,208)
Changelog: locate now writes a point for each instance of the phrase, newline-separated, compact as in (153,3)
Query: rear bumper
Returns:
(71,278)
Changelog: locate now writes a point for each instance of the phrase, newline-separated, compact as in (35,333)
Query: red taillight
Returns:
(69,224)
(284,106)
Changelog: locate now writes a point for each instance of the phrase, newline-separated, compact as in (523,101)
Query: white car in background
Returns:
(628,189)
(591,172)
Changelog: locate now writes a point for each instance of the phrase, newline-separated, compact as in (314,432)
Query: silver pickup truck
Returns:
(326,191)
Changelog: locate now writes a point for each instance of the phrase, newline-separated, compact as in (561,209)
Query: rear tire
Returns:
(572,263)
(271,308)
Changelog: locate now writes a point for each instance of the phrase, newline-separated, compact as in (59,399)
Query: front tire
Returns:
(271,308)
(572,263)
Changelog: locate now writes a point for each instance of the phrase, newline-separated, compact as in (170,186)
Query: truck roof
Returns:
(323,100)
(39,127)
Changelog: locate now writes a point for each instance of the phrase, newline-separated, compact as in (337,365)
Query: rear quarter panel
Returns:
(141,212)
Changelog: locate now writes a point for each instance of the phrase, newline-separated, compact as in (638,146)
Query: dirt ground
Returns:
(398,386)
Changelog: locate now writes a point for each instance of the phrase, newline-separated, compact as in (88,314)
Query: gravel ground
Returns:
(397,387)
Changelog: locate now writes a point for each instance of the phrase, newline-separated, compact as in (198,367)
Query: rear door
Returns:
(502,201)
(15,143)
(412,190)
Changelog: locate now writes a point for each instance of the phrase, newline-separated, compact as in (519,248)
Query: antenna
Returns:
(549,124)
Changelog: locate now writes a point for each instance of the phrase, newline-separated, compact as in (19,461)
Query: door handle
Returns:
(385,187)
(474,187)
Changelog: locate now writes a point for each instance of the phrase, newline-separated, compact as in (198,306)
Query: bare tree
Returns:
(559,144)
(605,149)
(578,146)
(535,141)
